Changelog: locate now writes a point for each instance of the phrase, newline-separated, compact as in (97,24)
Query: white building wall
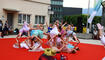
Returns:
(25,7)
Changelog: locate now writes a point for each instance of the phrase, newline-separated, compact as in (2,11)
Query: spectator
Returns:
(6,28)
(1,25)
(95,34)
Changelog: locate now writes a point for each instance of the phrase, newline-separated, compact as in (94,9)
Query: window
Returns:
(23,17)
(39,19)
(20,18)
(61,9)
(36,19)
(56,2)
(43,19)
(28,18)
(60,16)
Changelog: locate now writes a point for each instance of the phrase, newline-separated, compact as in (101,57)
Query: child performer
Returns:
(49,27)
(101,36)
(72,34)
(23,31)
(53,33)
(23,44)
(37,42)
(36,36)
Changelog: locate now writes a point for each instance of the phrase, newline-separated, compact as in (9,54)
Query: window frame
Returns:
(25,18)
(39,22)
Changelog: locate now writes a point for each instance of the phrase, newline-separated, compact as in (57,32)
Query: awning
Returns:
(10,9)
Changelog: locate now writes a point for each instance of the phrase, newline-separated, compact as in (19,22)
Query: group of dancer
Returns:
(57,36)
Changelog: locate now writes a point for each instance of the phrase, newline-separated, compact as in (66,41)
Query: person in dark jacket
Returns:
(1,25)
(6,28)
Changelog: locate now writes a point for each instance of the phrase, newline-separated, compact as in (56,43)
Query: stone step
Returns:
(84,36)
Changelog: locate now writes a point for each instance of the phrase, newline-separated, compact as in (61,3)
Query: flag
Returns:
(91,17)
(96,8)
(95,2)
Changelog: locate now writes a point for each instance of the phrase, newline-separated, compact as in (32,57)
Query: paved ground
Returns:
(89,41)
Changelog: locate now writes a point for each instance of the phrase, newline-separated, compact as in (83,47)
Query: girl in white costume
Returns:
(102,37)
(53,33)
(23,31)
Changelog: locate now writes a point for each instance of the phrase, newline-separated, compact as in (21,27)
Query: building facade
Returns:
(67,11)
(57,8)
(17,11)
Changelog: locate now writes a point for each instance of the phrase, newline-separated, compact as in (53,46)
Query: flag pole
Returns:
(88,14)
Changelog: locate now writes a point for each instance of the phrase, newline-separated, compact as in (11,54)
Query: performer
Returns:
(101,35)
(36,42)
(51,54)
(23,31)
(48,54)
(71,34)
(53,33)
(64,45)
(49,27)
(24,44)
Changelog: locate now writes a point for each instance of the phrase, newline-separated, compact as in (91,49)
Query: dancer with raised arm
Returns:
(101,35)
(23,31)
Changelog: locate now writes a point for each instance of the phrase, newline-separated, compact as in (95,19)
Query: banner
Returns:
(96,8)
(92,16)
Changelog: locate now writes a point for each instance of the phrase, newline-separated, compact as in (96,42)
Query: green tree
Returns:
(74,19)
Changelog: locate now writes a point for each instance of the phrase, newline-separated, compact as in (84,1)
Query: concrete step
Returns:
(84,36)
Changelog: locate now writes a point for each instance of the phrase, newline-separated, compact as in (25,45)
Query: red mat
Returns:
(87,52)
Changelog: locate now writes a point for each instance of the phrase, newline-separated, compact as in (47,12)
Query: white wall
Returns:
(25,7)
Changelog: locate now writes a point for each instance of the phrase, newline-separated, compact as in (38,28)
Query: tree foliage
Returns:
(74,19)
